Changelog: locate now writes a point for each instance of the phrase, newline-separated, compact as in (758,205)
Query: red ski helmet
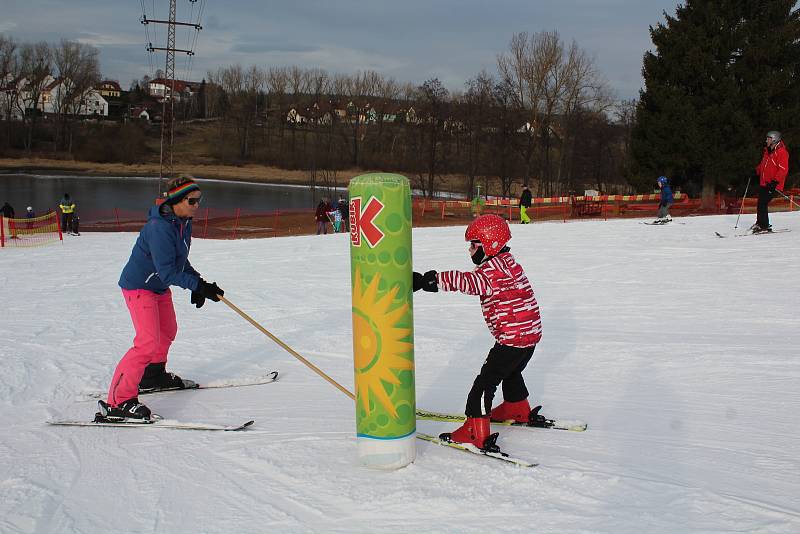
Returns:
(491,230)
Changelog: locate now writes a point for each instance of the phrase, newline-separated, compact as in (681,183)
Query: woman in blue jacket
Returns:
(160,259)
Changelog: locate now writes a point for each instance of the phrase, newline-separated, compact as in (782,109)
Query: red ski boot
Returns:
(475,431)
(512,411)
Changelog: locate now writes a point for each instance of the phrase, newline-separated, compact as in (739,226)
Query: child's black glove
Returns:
(773,185)
(426,282)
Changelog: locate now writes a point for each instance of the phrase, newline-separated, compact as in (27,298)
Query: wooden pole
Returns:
(287,348)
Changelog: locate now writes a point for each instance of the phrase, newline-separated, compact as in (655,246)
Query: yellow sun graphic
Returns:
(377,342)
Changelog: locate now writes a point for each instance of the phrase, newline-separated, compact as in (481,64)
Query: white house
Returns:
(90,103)
(159,87)
(94,104)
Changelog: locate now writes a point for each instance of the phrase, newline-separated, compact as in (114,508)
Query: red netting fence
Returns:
(30,232)
(241,223)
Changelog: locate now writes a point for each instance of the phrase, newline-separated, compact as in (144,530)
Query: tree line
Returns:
(718,77)
(546,119)
(26,72)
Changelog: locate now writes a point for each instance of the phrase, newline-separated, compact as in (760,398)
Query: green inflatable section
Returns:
(383,322)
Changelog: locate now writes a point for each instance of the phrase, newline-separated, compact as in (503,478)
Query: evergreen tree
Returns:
(722,74)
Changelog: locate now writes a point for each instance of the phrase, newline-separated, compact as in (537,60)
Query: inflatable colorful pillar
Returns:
(383,325)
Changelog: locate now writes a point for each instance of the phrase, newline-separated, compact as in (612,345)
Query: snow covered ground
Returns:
(678,348)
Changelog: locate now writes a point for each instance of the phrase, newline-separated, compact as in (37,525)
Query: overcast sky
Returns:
(410,40)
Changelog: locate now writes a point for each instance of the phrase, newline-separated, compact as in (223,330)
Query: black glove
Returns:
(773,185)
(208,291)
(198,299)
(426,282)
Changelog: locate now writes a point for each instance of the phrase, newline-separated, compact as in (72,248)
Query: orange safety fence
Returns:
(30,232)
(239,223)
(214,223)
(582,207)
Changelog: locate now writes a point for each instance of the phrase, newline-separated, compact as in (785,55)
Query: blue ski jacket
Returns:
(666,194)
(160,257)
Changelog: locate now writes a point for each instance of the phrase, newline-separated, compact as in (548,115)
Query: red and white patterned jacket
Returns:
(507,300)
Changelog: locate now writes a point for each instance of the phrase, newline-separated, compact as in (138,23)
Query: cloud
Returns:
(99,40)
(267,48)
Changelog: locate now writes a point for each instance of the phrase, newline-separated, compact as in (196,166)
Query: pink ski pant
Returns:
(154,321)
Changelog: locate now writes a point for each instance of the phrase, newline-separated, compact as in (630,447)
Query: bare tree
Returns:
(386,93)
(8,70)
(215,97)
(552,86)
(433,98)
(503,120)
(241,88)
(525,72)
(476,105)
(358,89)
(36,64)
(277,83)
(78,71)
(584,94)
(9,85)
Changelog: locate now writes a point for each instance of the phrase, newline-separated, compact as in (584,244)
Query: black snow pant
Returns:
(66,222)
(503,364)
(764,197)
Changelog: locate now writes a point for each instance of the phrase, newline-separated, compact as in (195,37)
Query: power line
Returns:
(168,82)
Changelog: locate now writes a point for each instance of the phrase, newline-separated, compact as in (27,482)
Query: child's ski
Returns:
(467,447)
(539,421)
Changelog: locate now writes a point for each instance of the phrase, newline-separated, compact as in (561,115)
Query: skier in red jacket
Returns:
(512,315)
(772,173)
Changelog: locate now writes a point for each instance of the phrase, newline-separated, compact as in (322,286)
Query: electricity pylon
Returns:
(168,112)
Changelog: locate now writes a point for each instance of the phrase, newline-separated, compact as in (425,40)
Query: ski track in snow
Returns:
(677,347)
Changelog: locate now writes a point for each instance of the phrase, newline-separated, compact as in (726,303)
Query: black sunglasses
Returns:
(193,200)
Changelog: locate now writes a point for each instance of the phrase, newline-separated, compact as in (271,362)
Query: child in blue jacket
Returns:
(667,199)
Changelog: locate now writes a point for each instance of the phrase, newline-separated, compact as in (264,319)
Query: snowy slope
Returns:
(678,348)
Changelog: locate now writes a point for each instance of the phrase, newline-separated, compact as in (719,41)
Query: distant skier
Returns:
(771,173)
(30,215)
(160,259)
(524,204)
(321,216)
(7,210)
(512,315)
(667,198)
(67,206)
(8,213)
(344,211)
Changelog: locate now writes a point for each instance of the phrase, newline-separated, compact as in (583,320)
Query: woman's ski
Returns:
(270,377)
(154,422)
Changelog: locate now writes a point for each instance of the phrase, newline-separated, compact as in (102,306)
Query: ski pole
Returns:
(287,348)
(787,198)
(735,226)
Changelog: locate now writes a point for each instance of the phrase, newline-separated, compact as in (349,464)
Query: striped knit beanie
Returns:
(182,187)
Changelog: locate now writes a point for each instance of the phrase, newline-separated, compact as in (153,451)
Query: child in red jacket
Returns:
(512,315)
